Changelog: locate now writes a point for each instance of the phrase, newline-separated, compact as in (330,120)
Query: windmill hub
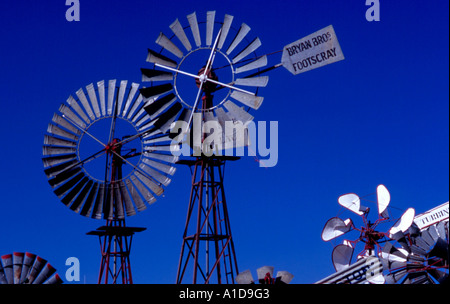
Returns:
(207,87)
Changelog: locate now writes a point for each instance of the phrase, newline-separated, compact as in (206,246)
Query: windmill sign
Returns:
(312,52)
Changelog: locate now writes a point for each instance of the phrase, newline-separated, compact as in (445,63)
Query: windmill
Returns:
(105,159)
(27,268)
(265,276)
(369,234)
(418,256)
(207,75)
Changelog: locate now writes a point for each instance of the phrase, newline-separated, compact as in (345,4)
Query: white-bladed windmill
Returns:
(265,276)
(105,159)
(27,268)
(207,73)
(370,234)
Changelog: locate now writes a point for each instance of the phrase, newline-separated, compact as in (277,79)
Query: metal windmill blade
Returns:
(27,268)
(265,276)
(102,153)
(421,257)
(220,40)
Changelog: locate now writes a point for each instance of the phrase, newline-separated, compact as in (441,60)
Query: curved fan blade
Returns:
(261,81)
(210,17)
(284,276)
(243,31)
(72,117)
(62,122)
(93,97)
(155,75)
(178,30)
(403,223)
(167,118)
(85,103)
(352,202)
(130,98)
(167,44)
(255,64)
(335,227)
(111,94)
(101,96)
(254,45)
(225,29)
(192,18)
(245,277)
(76,107)
(383,199)
(55,130)
(155,108)
(341,256)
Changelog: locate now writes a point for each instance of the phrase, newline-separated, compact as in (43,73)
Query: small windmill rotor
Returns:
(369,234)
(265,276)
(27,268)
(216,63)
(84,151)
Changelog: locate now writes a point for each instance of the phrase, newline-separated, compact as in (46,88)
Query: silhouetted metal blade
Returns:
(67,182)
(155,75)
(81,197)
(155,57)
(111,94)
(253,82)
(156,107)
(62,176)
(192,18)
(178,30)
(85,103)
(101,95)
(93,98)
(56,169)
(252,101)
(167,118)
(70,196)
(243,31)
(130,98)
(165,42)
(255,64)
(108,208)
(254,45)
(52,161)
(117,202)
(225,29)
(210,17)
(146,194)
(90,201)
(154,91)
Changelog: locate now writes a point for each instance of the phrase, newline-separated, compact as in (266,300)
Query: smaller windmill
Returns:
(265,276)
(27,268)
(369,233)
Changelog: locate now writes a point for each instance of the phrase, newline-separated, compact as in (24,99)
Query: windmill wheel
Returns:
(265,276)
(208,73)
(103,155)
(27,268)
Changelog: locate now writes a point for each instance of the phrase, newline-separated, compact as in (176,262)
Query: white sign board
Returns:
(312,52)
(431,217)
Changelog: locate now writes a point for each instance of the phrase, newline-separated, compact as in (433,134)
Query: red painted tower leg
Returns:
(207,241)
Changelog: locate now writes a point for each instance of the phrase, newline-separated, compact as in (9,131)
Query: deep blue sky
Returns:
(380,116)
